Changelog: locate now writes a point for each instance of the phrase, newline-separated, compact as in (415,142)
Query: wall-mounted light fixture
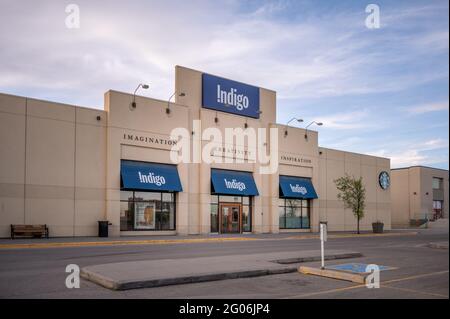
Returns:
(306,128)
(216,119)
(245,124)
(168,101)
(292,119)
(141,85)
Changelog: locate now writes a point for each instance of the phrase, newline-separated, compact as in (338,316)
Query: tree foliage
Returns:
(353,193)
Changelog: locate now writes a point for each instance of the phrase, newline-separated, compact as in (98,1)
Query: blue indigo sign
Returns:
(297,187)
(233,183)
(149,176)
(230,96)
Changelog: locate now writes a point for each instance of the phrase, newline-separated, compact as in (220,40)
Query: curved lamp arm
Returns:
(306,128)
(141,85)
(168,101)
(292,119)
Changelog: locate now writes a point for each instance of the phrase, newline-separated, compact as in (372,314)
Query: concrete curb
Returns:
(335,274)
(443,245)
(317,258)
(151,283)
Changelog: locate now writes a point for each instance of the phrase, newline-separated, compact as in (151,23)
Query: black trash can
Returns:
(103,228)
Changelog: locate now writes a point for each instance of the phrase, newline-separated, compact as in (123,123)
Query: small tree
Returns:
(353,193)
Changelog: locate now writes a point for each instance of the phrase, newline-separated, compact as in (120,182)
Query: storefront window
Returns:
(230,199)
(293,214)
(437,183)
(126,196)
(282,216)
(144,215)
(437,209)
(214,218)
(293,217)
(147,196)
(126,215)
(147,211)
(246,220)
(305,217)
(168,197)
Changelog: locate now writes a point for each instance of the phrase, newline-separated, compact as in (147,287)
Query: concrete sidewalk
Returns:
(163,272)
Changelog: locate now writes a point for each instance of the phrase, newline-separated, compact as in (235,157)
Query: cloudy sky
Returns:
(378,91)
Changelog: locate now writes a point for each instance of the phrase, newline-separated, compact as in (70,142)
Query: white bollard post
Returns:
(323,238)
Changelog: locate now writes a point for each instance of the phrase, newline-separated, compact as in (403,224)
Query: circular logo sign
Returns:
(384,180)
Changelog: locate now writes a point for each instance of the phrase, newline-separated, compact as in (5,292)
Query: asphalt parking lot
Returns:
(421,270)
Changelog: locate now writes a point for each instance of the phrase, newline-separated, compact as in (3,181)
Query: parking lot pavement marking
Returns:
(123,242)
(415,277)
(358,268)
(416,291)
(384,284)
(325,292)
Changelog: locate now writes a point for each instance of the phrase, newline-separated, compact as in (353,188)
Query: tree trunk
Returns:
(358,225)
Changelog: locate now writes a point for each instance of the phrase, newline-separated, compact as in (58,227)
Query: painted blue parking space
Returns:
(357,267)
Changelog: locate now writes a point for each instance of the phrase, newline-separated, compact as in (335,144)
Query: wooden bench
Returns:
(29,230)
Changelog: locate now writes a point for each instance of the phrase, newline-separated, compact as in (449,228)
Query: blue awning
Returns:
(297,187)
(149,176)
(233,183)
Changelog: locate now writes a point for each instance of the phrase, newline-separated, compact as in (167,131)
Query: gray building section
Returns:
(418,193)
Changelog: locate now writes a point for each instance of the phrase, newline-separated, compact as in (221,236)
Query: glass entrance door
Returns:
(230,218)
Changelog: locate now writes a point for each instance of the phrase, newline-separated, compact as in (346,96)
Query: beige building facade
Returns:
(421,193)
(69,167)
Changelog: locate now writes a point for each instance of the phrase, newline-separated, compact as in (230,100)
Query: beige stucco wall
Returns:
(400,197)
(427,195)
(52,166)
(334,164)
(412,193)
(61,166)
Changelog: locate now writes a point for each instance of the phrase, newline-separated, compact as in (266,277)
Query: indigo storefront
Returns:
(147,197)
(296,194)
(232,195)
(119,163)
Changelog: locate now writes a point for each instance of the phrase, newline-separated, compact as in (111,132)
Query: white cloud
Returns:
(348,143)
(124,43)
(346,121)
(426,108)
(415,153)
(311,56)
